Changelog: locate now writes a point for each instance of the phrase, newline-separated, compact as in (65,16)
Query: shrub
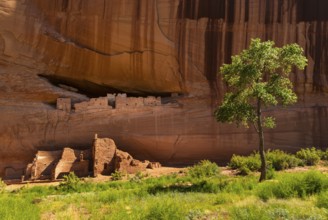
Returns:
(204,186)
(236,162)
(195,215)
(314,182)
(204,168)
(137,178)
(285,188)
(310,156)
(253,162)
(244,170)
(296,185)
(240,185)
(71,182)
(245,165)
(117,175)
(322,200)
(324,155)
(2,186)
(271,174)
(279,213)
(281,160)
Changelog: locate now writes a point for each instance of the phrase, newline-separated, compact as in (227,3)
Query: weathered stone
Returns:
(125,163)
(104,151)
(157,47)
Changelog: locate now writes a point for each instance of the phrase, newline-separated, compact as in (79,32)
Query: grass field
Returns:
(200,193)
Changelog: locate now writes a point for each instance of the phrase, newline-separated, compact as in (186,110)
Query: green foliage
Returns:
(271,173)
(245,164)
(310,156)
(176,197)
(165,211)
(204,168)
(281,160)
(240,185)
(259,77)
(14,207)
(117,175)
(296,185)
(251,212)
(322,200)
(324,155)
(259,73)
(71,182)
(137,178)
(2,186)
(195,215)
(204,186)
(277,160)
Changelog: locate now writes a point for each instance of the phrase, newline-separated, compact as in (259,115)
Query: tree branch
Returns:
(256,129)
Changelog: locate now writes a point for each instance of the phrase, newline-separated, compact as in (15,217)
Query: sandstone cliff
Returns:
(150,46)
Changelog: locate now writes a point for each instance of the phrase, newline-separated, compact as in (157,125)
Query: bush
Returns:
(240,185)
(2,186)
(195,215)
(296,185)
(137,178)
(117,175)
(71,182)
(271,174)
(281,160)
(310,156)
(314,182)
(324,155)
(322,200)
(245,165)
(204,168)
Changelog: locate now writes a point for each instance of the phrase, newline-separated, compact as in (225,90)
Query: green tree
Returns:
(257,78)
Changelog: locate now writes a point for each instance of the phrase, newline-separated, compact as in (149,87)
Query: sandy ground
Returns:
(150,172)
(160,172)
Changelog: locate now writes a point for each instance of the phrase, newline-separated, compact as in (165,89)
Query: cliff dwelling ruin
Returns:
(103,158)
(112,101)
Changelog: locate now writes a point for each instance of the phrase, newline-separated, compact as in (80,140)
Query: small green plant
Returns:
(324,155)
(271,173)
(137,178)
(117,175)
(71,182)
(245,165)
(314,182)
(322,200)
(310,156)
(279,213)
(204,168)
(296,185)
(2,186)
(281,160)
(195,215)
(165,211)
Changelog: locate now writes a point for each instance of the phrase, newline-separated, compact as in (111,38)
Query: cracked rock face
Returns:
(157,47)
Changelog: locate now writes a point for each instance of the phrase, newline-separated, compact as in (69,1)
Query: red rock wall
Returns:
(153,46)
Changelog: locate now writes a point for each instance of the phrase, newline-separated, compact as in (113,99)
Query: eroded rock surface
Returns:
(157,47)
(102,158)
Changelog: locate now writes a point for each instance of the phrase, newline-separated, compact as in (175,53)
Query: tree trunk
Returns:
(261,141)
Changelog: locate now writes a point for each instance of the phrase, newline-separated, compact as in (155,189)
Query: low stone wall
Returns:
(94,103)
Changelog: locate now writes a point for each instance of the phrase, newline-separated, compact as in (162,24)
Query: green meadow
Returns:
(200,192)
